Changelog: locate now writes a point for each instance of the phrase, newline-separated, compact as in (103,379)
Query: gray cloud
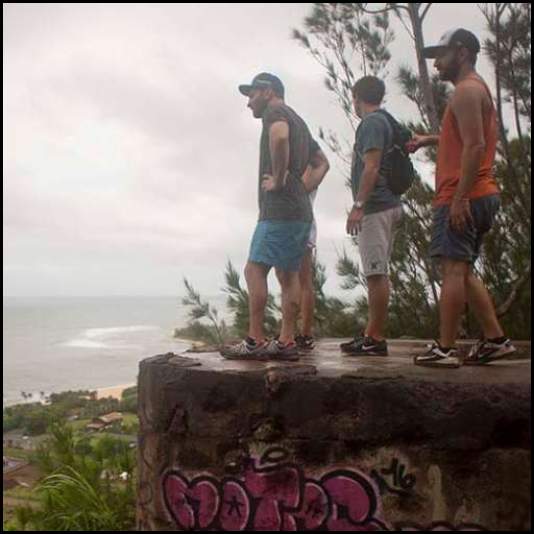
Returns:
(130,159)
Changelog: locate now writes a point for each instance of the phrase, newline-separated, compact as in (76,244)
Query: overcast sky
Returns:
(130,158)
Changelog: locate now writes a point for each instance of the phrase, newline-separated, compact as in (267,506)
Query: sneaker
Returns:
(348,346)
(305,342)
(486,351)
(248,349)
(275,350)
(365,346)
(437,357)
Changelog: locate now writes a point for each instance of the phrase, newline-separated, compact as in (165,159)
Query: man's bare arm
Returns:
(467,106)
(315,171)
(420,141)
(279,147)
(371,159)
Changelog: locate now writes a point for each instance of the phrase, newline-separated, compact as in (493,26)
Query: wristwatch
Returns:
(359,204)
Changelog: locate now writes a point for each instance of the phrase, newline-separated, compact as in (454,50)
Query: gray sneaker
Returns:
(437,357)
(278,351)
(485,352)
(245,350)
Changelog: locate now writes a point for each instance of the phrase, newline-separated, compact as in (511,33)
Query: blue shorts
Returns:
(465,245)
(280,244)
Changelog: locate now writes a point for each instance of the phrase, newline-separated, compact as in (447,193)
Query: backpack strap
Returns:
(395,127)
(391,124)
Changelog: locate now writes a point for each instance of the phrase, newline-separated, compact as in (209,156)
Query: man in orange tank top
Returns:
(466,202)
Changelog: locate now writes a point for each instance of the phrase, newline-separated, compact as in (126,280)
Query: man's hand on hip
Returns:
(269,183)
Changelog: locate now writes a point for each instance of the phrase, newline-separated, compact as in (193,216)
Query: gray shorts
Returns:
(375,241)
(463,246)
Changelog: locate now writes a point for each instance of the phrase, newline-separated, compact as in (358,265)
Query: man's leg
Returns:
(256,277)
(482,305)
(495,344)
(452,300)
(378,294)
(378,237)
(307,293)
(289,282)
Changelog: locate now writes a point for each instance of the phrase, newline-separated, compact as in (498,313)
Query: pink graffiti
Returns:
(277,491)
(315,508)
(193,505)
(273,495)
(353,502)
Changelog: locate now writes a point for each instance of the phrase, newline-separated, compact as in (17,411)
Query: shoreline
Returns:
(112,391)
(101,393)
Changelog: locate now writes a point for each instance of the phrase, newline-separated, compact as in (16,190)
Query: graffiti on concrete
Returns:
(274,494)
(393,479)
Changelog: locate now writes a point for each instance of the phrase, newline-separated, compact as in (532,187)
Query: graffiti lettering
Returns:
(401,484)
(274,494)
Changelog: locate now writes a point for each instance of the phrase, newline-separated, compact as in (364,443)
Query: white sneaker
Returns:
(437,357)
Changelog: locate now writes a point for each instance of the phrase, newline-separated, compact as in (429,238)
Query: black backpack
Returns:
(401,173)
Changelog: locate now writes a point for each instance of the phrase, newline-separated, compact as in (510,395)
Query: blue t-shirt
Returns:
(374,132)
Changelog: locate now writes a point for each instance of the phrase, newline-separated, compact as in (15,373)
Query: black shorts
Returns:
(465,245)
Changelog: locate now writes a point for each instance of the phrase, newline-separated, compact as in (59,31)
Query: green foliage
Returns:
(349,41)
(32,419)
(72,502)
(12,422)
(333,317)
(129,392)
(237,303)
(81,489)
(345,31)
(333,34)
(217,332)
(506,264)
(37,421)
(128,403)
(197,331)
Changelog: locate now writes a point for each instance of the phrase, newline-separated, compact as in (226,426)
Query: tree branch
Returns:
(410,33)
(516,288)
(379,11)
(425,11)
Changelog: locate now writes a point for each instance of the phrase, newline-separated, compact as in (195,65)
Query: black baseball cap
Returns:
(264,81)
(454,37)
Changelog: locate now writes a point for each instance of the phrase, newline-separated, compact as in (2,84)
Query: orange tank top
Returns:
(449,164)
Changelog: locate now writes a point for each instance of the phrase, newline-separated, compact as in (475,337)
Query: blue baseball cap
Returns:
(264,81)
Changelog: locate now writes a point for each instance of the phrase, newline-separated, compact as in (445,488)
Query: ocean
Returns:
(58,344)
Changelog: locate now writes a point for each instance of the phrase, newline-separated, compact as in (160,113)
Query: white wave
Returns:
(92,333)
(84,343)
(116,337)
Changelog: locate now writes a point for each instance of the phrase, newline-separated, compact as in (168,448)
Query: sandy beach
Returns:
(113,391)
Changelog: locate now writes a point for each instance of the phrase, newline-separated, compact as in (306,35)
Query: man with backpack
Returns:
(377,209)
